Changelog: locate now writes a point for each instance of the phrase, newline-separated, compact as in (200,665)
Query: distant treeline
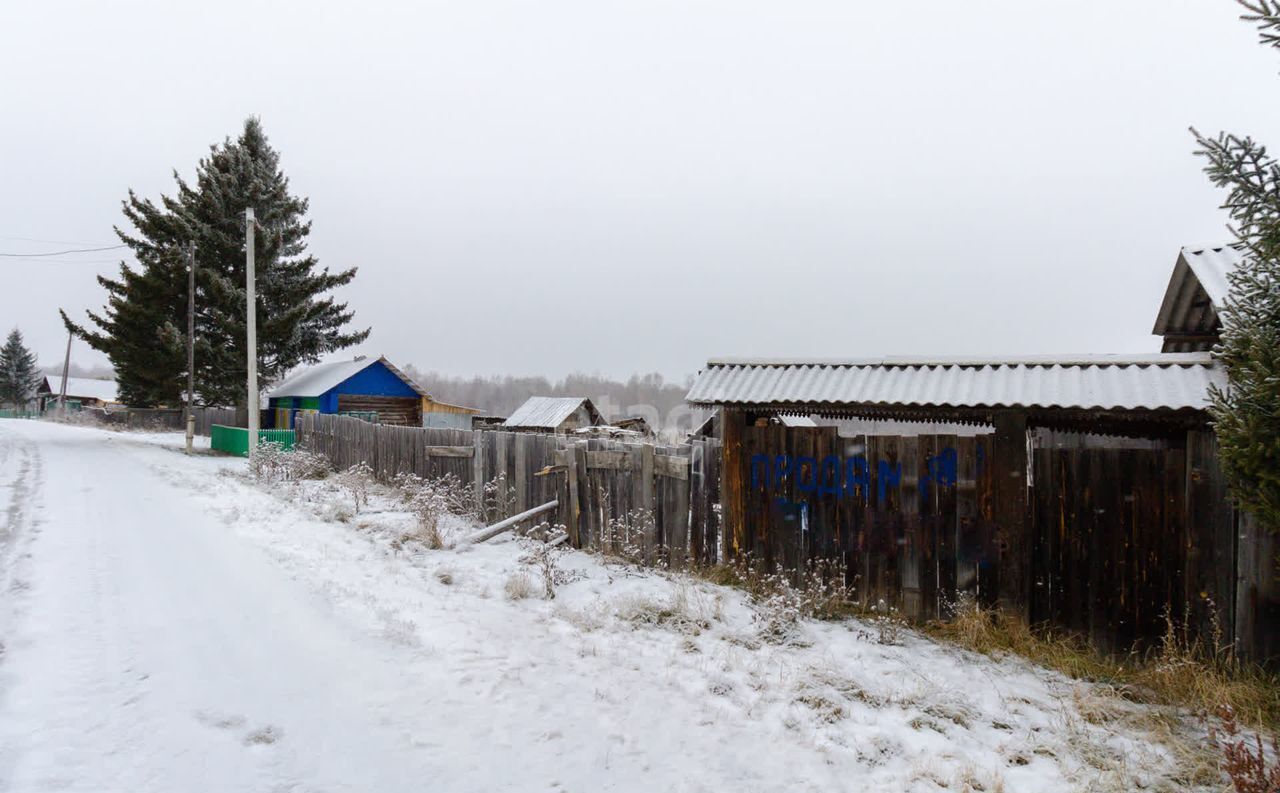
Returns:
(647,394)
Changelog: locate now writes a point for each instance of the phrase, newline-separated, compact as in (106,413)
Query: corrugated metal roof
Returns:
(318,379)
(1211,266)
(546,412)
(1150,382)
(1197,291)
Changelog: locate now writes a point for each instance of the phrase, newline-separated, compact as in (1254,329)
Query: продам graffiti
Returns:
(847,478)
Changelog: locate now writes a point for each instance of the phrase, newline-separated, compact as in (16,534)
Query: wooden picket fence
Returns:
(664,499)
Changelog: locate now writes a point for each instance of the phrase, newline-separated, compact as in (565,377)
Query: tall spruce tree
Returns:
(1246,413)
(19,375)
(142,329)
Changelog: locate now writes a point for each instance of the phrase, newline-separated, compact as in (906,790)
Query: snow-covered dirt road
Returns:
(148,648)
(168,625)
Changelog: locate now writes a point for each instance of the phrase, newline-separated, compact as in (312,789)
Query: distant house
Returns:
(371,388)
(446,416)
(82,392)
(553,414)
(636,424)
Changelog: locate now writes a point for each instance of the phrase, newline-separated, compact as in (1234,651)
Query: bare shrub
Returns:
(308,465)
(266,462)
(544,559)
(429,500)
(498,500)
(888,623)
(357,480)
(270,462)
(623,539)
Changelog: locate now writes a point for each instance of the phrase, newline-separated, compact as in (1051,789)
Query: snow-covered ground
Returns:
(169,625)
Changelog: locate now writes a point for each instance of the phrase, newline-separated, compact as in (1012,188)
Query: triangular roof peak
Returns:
(316,380)
(1197,291)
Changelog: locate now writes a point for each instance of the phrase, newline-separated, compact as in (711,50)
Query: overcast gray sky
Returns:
(543,187)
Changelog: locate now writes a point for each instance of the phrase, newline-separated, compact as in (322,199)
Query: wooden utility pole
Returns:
(251,328)
(191,344)
(66,368)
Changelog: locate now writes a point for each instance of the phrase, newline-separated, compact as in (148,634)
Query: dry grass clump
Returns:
(683,611)
(818,592)
(519,586)
(1180,672)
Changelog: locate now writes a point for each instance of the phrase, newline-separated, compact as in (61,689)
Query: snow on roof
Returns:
(1197,290)
(1211,267)
(787,420)
(84,388)
(318,379)
(1160,381)
(547,412)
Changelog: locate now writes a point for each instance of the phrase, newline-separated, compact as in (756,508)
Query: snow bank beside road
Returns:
(627,680)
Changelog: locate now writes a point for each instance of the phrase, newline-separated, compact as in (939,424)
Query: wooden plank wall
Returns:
(1117,536)
(663,498)
(887,509)
(1109,558)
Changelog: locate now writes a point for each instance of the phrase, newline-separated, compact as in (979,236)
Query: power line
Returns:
(50,242)
(63,261)
(60,253)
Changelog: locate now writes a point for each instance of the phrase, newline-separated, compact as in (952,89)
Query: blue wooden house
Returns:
(370,388)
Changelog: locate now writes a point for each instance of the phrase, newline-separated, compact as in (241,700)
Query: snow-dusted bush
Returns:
(888,622)
(266,463)
(499,499)
(778,614)
(357,480)
(431,499)
(623,538)
(271,463)
(544,557)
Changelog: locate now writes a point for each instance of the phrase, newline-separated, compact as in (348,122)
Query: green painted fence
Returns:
(8,413)
(235,440)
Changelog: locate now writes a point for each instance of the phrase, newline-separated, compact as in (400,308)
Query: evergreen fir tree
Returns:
(143,327)
(19,375)
(1246,413)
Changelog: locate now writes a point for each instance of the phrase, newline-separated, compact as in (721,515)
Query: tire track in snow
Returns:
(22,474)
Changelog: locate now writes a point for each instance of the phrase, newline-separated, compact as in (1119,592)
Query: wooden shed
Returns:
(553,414)
(1089,495)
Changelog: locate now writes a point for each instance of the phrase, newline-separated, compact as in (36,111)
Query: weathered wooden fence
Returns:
(665,497)
(1124,534)
(660,501)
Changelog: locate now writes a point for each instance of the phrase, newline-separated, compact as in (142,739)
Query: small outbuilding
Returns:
(82,392)
(1088,494)
(446,416)
(554,414)
(367,387)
